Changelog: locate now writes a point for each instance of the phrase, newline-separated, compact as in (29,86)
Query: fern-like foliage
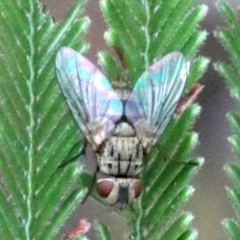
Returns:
(36,130)
(229,36)
(139,33)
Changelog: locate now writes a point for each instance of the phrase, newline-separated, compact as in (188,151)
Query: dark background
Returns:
(210,204)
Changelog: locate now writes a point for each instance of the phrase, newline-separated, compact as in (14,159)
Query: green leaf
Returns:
(36,129)
(151,28)
(232,229)
(102,231)
(165,194)
(229,37)
(139,32)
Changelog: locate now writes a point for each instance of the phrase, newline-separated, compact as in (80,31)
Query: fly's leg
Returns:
(74,154)
(165,158)
(88,164)
(188,99)
(89,171)
(87,158)
(184,103)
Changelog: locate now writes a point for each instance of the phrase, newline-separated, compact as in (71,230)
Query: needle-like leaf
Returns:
(139,32)
(229,37)
(36,129)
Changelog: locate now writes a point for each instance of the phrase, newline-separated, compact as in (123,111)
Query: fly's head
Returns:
(119,191)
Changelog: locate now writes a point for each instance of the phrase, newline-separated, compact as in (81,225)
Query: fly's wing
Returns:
(155,96)
(94,104)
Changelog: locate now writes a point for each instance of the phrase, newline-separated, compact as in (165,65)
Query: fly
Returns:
(121,126)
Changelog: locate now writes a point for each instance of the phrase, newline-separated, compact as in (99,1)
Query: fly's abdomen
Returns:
(121,156)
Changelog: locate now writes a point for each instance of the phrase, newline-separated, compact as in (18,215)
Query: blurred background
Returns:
(210,204)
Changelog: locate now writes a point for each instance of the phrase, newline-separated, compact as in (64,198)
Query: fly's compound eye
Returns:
(105,187)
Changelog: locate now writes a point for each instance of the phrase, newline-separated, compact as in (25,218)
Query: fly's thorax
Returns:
(122,153)
(119,191)
(121,90)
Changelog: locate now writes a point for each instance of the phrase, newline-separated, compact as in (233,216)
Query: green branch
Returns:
(37,132)
(36,129)
(229,37)
(139,32)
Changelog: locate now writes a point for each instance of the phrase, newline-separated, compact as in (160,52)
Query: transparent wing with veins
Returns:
(94,104)
(155,97)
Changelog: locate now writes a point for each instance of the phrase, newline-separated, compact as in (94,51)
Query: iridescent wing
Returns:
(155,96)
(93,102)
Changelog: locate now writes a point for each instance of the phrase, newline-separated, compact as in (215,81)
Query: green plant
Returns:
(138,33)
(229,36)
(37,132)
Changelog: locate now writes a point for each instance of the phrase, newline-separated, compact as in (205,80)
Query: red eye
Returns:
(104,188)
(137,189)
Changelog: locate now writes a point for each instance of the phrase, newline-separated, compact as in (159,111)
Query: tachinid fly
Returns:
(120,126)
